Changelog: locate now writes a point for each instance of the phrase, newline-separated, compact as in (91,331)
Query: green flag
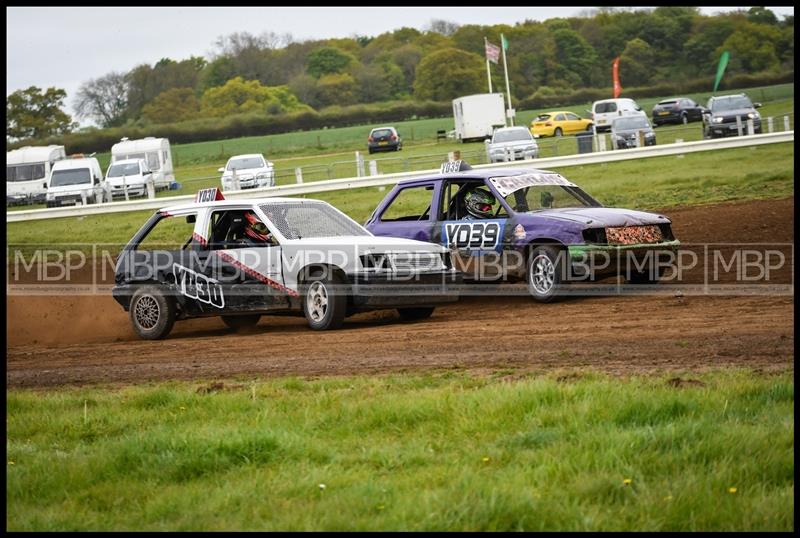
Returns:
(723,63)
(505,41)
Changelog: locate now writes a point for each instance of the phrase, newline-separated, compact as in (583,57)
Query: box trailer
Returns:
(155,151)
(477,116)
(27,170)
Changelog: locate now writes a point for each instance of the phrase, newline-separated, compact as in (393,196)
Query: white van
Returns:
(155,151)
(78,180)
(27,170)
(128,177)
(606,111)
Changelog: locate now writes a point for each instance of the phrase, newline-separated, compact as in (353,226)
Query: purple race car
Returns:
(526,224)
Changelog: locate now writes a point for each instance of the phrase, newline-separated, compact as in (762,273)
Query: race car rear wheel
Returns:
(544,272)
(241,322)
(411,314)
(152,312)
(324,302)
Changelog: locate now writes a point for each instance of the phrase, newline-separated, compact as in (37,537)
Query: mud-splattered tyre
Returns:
(412,314)
(241,322)
(152,312)
(324,301)
(544,273)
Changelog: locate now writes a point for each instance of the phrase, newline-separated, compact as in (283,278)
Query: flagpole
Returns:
(488,71)
(505,69)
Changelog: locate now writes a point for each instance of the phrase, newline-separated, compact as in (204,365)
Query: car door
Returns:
(249,277)
(476,245)
(574,123)
(694,111)
(406,214)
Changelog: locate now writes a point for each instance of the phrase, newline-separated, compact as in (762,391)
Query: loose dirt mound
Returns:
(73,340)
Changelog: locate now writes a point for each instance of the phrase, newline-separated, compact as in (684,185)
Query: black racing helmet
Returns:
(480,203)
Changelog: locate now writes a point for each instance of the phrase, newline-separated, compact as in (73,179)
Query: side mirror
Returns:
(221,169)
(148,172)
(44,184)
(757,105)
(191,219)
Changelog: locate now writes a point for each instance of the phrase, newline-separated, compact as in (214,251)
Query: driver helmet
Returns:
(479,203)
(255,229)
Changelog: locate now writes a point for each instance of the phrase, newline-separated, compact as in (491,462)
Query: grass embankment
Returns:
(419,452)
(658,182)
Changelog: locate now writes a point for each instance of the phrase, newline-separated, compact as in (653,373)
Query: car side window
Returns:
(227,229)
(409,204)
(572,117)
(170,233)
(453,206)
(559,117)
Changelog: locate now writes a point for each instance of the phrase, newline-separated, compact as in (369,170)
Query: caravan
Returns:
(154,151)
(27,170)
(477,116)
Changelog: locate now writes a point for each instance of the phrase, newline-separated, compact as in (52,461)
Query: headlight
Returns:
(718,119)
(649,135)
(753,115)
(264,175)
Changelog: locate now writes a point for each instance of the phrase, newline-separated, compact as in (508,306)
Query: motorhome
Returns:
(27,170)
(477,116)
(155,151)
(77,180)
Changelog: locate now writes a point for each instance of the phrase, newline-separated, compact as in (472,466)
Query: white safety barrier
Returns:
(391,179)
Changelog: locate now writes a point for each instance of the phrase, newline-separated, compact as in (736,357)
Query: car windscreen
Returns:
(603,108)
(541,197)
(512,136)
(731,103)
(119,170)
(245,163)
(298,220)
(75,176)
(668,102)
(633,122)
(381,133)
(25,172)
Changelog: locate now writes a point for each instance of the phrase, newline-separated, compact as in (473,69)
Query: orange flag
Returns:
(615,75)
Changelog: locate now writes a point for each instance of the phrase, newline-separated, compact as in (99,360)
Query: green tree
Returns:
(636,63)
(327,61)
(172,106)
(104,99)
(761,15)
(575,55)
(36,113)
(752,48)
(337,89)
(239,96)
(447,74)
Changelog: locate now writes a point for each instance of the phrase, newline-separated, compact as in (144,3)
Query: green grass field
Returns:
(653,183)
(450,451)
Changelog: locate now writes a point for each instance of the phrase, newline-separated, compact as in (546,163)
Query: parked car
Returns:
(722,111)
(155,151)
(625,132)
(607,110)
(77,180)
(131,175)
(251,170)
(384,139)
(530,225)
(559,123)
(511,144)
(677,110)
(241,259)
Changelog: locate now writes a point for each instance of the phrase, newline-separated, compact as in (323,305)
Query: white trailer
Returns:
(27,170)
(477,116)
(155,151)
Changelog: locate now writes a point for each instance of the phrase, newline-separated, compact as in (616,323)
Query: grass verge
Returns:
(441,451)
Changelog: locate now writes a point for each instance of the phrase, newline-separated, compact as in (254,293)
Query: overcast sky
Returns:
(64,47)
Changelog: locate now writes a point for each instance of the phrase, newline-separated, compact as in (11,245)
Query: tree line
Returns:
(271,74)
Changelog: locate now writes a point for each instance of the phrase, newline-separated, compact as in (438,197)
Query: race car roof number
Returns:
(208,195)
(505,185)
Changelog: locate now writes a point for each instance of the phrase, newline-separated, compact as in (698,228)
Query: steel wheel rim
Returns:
(317,301)
(147,312)
(542,274)
(685,120)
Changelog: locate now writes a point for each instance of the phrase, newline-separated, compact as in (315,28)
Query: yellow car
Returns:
(559,123)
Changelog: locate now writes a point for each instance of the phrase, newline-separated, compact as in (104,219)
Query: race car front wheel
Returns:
(152,312)
(544,272)
(324,302)
(411,314)
(241,322)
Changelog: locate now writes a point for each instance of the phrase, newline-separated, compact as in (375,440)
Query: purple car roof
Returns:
(486,173)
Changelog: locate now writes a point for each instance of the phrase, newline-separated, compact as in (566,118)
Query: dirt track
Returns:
(78,340)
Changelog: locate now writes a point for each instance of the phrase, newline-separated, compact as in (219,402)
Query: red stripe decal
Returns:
(199,238)
(255,274)
(165,213)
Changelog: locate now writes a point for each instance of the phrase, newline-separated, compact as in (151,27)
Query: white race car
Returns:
(242,259)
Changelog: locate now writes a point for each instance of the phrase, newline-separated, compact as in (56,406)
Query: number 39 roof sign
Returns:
(505,185)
